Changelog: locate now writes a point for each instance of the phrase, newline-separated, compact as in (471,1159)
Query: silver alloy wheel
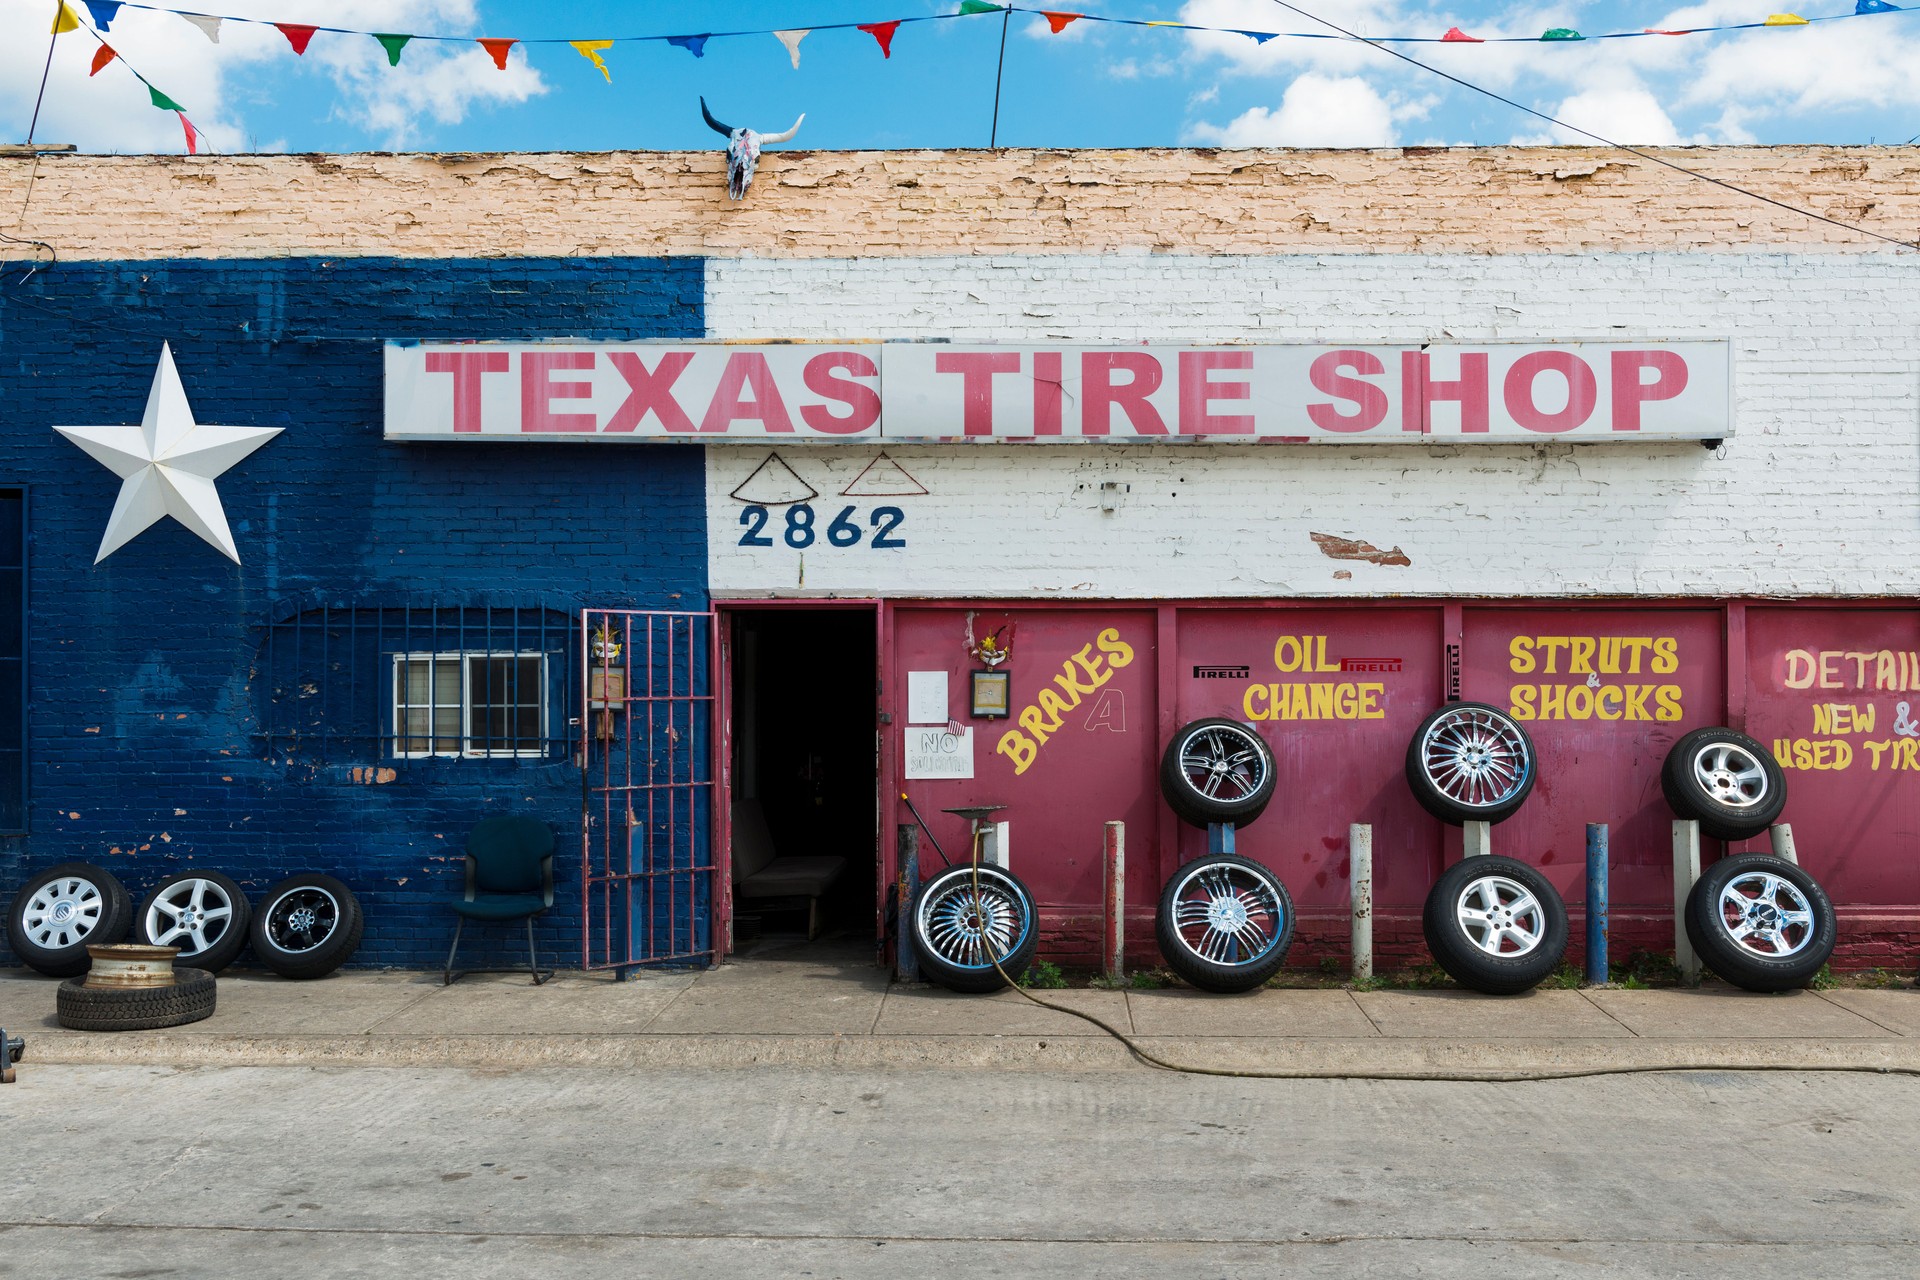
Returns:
(961,927)
(1224,914)
(1766,914)
(1223,762)
(1730,775)
(63,913)
(1500,916)
(190,914)
(301,919)
(1475,757)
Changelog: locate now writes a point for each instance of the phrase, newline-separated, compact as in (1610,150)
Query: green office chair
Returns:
(509,877)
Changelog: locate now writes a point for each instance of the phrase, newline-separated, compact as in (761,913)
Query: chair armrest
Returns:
(473,865)
(546,879)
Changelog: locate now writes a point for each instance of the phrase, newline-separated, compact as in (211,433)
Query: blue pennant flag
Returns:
(697,45)
(105,11)
(1259,37)
(1875,6)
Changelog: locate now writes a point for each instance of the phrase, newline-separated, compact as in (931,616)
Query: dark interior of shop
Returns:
(804,778)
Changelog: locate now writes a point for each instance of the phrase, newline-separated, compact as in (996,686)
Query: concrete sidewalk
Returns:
(827,1008)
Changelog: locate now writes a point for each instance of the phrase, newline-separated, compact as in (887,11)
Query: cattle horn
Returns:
(721,129)
(783,137)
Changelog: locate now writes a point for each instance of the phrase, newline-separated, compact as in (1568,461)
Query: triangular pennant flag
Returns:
(1875,6)
(104,12)
(193,134)
(1258,37)
(162,101)
(590,50)
(1455,34)
(883,32)
(210,27)
(65,20)
(1784,20)
(1561,33)
(1058,21)
(695,45)
(296,35)
(101,57)
(980,6)
(497,49)
(1166,24)
(792,40)
(393,45)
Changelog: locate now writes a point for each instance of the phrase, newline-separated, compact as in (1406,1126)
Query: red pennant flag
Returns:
(1058,21)
(193,134)
(883,32)
(1655,31)
(498,48)
(1456,34)
(296,35)
(101,57)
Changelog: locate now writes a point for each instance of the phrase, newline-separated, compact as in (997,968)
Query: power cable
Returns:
(1588,133)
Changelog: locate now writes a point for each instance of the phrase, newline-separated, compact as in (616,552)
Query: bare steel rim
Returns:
(1228,915)
(1223,762)
(301,919)
(1766,914)
(1501,916)
(190,914)
(971,931)
(1730,775)
(1475,757)
(63,913)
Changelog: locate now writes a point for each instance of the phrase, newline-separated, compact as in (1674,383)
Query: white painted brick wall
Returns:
(1818,494)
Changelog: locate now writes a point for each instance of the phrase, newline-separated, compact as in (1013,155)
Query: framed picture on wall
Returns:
(990,694)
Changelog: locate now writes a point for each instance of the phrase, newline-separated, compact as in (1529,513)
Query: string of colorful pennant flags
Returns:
(300,35)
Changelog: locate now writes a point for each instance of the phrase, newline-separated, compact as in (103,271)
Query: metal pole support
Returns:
(1476,839)
(1781,834)
(1115,949)
(906,957)
(1360,856)
(1597,903)
(1686,870)
(1219,838)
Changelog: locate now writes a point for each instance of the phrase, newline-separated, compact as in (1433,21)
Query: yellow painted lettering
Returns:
(1322,696)
(1019,748)
(1666,700)
(1370,695)
(1799,674)
(1876,749)
(1093,666)
(1055,706)
(1580,656)
(1036,724)
(1553,645)
(1520,652)
(1286,654)
(1553,700)
(1829,668)
(1258,702)
(1666,656)
(1520,702)
(1600,704)
(1637,695)
(1320,644)
(1119,652)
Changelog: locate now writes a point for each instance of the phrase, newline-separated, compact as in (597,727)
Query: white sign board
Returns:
(716,393)
(935,753)
(927,697)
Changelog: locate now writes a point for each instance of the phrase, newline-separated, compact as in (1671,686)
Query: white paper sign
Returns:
(927,697)
(935,753)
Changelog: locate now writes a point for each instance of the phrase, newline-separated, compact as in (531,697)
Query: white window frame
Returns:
(466,748)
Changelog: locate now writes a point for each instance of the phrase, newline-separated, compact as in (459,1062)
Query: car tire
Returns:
(83,1008)
(1224,923)
(62,911)
(1727,782)
(1761,922)
(203,913)
(1495,925)
(1217,770)
(1470,762)
(957,935)
(306,926)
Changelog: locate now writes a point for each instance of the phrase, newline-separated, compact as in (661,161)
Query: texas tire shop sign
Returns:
(1488,393)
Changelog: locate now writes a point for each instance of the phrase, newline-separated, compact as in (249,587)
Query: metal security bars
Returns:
(650,881)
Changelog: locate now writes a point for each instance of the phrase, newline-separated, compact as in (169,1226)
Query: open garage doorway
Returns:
(805,776)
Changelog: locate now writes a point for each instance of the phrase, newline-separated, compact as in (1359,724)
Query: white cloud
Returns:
(1316,111)
(1626,114)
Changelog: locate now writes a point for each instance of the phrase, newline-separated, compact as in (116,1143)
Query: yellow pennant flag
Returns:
(66,20)
(590,50)
(1784,20)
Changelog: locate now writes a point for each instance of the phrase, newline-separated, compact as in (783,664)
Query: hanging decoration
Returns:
(590,50)
(297,36)
(743,150)
(101,57)
(792,40)
(209,27)
(497,49)
(993,648)
(103,11)
(393,45)
(883,32)
(65,20)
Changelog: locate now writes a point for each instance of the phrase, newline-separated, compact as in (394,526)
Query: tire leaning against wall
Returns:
(1761,922)
(953,932)
(1224,923)
(306,926)
(62,911)
(1495,925)
(1727,782)
(204,913)
(1470,762)
(1217,770)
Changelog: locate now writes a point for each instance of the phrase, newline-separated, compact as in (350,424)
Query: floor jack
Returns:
(12,1049)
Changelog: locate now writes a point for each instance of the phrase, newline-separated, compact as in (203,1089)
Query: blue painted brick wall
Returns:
(145,715)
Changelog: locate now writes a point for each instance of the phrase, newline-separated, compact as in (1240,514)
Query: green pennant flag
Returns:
(393,45)
(162,101)
(979,6)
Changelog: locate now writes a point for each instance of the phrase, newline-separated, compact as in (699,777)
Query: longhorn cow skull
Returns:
(743,150)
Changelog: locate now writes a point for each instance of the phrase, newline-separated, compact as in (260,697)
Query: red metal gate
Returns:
(649,881)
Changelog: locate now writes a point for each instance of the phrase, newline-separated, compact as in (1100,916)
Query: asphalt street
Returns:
(242,1172)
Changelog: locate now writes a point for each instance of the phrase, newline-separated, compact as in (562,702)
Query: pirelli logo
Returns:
(1369,664)
(1222,673)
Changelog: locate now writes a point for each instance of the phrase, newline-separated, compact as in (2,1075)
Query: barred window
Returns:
(469,704)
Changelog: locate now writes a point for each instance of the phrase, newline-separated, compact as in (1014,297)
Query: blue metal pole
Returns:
(1596,902)
(907,956)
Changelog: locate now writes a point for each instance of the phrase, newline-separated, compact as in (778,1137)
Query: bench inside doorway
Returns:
(767,878)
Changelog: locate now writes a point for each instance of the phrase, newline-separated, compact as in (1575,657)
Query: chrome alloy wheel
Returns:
(1222,762)
(1500,916)
(1225,914)
(1766,914)
(1475,757)
(63,913)
(970,930)
(191,914)
(1730,775)
(301,919)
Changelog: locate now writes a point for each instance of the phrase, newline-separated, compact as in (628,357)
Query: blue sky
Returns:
(1092,85)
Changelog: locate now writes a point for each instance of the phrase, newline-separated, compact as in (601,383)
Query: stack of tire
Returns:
(306,926)
(1494,924)
(1758,921)
(1224,922)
